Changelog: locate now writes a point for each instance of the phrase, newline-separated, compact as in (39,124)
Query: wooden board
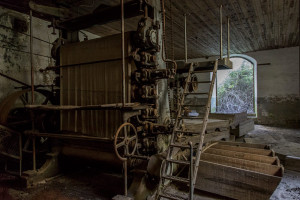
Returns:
(241,144)
(234,171)
(255,166)
(292,163)
(212,125)
(234,118)
(243,128)
(244,156)
(235,183)
(216,136)
(264,152)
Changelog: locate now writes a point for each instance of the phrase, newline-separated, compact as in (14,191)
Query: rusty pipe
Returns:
(221,32)
(15,80)
(164,37)
(123,53)
(31,59)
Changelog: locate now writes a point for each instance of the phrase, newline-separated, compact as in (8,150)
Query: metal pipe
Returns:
(125,177)
(21,154)
(228,38)
(185,39)
(15,80)
(191,172)
(33,154)
(123,53)
(164,36)
(31,59)
(221,41)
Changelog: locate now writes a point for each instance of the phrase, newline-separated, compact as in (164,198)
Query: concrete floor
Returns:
(282,140)
(92,184)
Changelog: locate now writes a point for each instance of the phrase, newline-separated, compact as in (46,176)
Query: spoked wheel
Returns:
(125,142)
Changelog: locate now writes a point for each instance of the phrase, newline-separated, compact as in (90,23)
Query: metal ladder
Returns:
(193,163)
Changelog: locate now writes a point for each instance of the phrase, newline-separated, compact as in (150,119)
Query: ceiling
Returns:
(254,24)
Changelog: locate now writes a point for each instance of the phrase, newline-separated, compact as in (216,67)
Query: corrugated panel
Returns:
(93,84)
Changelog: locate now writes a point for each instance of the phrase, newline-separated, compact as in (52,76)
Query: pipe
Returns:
(164,37)
(15,80)
(185,39)
(191,197)
(221,41)
(31,59)
(123,53)
(228,38)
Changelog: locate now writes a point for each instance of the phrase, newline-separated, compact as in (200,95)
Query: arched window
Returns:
(235,89)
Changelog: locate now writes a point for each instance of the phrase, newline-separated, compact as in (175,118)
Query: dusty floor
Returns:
(88,184)
(282,140)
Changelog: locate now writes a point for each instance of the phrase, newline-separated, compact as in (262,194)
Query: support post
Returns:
(125,177)
(228,39)
(21,154)
(221,32)
(191,172)
(31,59)
(33,153)
(123,53)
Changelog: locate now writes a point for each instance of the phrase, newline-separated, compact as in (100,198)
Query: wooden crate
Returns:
(238,171)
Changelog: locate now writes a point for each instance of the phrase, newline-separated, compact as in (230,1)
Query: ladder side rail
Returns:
(169,153)
(199,148)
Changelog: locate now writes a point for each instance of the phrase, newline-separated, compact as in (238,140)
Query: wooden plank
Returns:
(243,128)
(242,155)
(292,163)
(240,144)
(212,125)
(243,164)
(264,152)
(235,183)
(234,118)
(216,136)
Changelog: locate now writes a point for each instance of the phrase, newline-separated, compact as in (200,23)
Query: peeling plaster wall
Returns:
(15,47)
(278,86)
(278,90)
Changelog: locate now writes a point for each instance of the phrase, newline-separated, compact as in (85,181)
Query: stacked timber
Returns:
(216,129)
(239,170)
(239,123)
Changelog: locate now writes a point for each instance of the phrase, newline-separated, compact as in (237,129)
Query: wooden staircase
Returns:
(196,148)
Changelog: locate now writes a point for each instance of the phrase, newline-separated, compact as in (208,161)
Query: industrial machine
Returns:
(111,103)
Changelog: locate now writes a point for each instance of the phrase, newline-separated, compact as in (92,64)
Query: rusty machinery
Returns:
(137,127)
(137,137)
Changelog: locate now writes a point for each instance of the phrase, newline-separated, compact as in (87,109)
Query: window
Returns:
(235,89)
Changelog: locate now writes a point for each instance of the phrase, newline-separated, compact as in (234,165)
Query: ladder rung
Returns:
(202,71)
(169,196)
(196,93)
(182,162)
(199,82)
(176,178)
